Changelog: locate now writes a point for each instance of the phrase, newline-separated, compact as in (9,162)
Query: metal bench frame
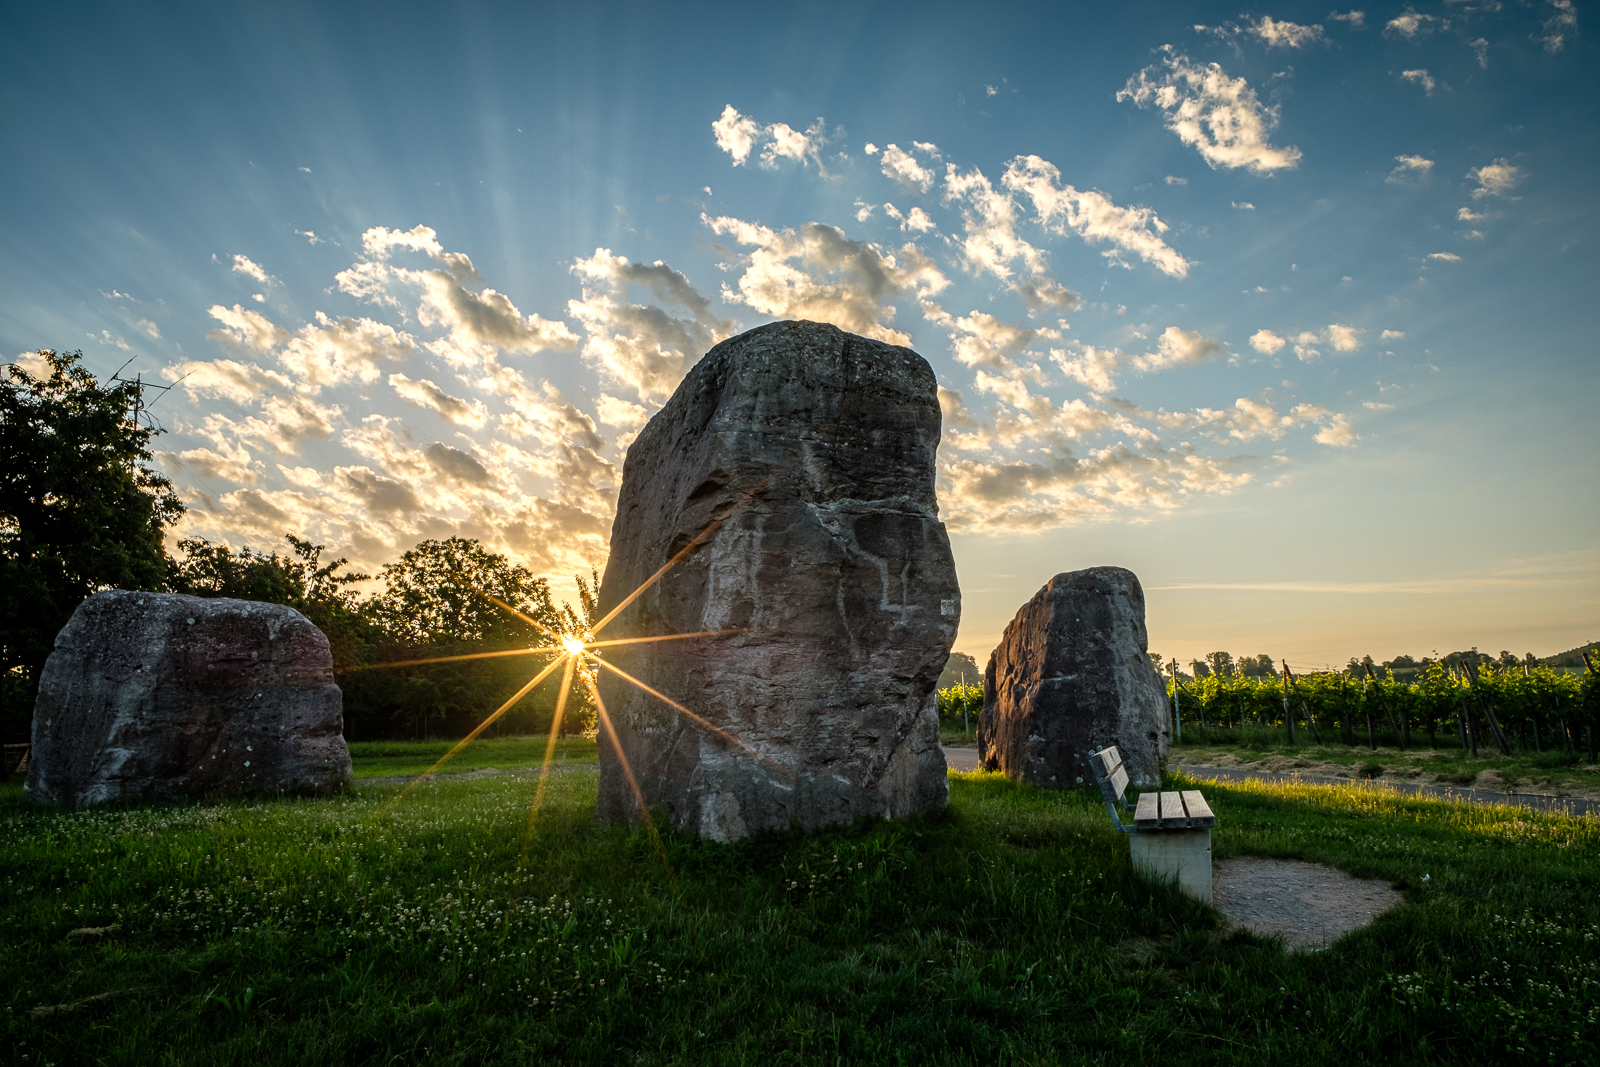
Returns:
(1170,835)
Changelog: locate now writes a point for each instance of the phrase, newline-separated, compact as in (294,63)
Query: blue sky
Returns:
(1290,311)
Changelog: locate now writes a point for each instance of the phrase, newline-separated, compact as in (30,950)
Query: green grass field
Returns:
(376,928)
(383,759)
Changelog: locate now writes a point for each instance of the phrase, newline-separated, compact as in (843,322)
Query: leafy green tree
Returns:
(301,580)
(445,593)
(80,510)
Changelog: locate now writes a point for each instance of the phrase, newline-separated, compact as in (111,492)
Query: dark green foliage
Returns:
(302,581)
(1010,930)
(958,667)
(79,511)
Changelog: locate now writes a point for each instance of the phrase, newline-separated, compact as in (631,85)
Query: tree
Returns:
(315,589)
(960,665)
(445,593)
(79,509)
(1221,663)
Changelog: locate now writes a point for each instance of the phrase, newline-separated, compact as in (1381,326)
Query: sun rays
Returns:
(579,656)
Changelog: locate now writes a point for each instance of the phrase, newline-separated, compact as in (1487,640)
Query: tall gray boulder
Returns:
(795,464)
(1072,675)
(151,695)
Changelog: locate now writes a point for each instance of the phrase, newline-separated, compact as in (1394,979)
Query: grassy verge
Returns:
(383,759)
(359,929)
(1557,772)
(956,737)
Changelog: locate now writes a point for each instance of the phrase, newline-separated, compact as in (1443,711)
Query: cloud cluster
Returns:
(816,272)
(1220,116)
(642,347)
(739,135)
(1306,342)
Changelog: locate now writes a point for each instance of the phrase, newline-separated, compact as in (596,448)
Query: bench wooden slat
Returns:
(1119,782)
(1108,760)
(1199,811)
(1146,816)
(1173,816)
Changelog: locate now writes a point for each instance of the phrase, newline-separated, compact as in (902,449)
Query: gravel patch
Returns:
(1306,904)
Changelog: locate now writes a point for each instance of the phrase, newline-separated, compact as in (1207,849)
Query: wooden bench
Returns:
(1170,835)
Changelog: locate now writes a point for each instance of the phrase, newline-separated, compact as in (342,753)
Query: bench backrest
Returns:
(1112,778)
(1157,811)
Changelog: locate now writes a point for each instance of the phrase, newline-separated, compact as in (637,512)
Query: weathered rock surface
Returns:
(802,459)
(153,695)
(1070,676)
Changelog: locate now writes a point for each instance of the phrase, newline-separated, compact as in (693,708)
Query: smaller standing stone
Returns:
(1071,675)
(152,695)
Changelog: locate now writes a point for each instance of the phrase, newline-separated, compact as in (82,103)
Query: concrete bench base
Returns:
(1181,856)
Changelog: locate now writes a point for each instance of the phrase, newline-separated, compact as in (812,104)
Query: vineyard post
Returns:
(1288,716)
(1487,709)
(1533,718)
(1177,715)
(1383,702)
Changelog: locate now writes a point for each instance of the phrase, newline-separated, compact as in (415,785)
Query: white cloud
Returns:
(1410,167)
(107,338)
(642,346)
(1558,25)
(870,149)
(242,383)
(614,411)
(1420,77)
(246,327)
(1266,342)
(310,236)
(1344,338)
(1174,180)
(1480,48)
(916,220)
(150,328)
(1391,335)
(244,265)
(479,322)
(1446,257)
(380,241)
(1356,19)
(1495,179)
(425,394)
(1091,367)
(1284,34)
(1305,346)
(341,350)
(901,166)
(1220,116)
(738,135)
(1092,215)
(1410,24)
(992,244)
(1179,348)
(1466,214)
(818,273)
(982,340)
(1243,205)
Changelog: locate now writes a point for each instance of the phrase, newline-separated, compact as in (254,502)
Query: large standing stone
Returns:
(155,695)
(1071,675)
(803,459)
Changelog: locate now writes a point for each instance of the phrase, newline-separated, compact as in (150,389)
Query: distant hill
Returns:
(1573,657)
